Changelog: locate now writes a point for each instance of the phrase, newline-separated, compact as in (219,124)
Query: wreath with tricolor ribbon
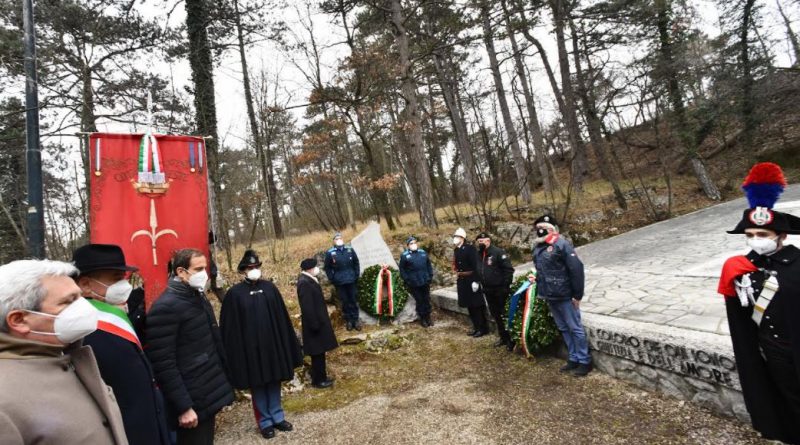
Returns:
(381,292)
(528,318)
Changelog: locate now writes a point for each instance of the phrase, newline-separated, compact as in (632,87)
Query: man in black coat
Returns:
(318,335)
(260,342)
(470,295)
(185,347)
(116,345)
(496,274)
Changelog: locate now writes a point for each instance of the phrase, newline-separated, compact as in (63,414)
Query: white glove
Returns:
(744,289)
(475,286)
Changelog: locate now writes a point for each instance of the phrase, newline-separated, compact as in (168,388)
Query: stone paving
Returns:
(667,273)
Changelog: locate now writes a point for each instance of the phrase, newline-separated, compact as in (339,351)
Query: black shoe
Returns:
(510,346)
(423,322)
(349,326)
(429,320)
(323,384)
(268,432)
(480,334)
(472,333)
(357,326)
(283,426)
(569,366)
(499,343)
(582,370)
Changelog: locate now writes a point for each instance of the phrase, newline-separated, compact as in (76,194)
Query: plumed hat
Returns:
(762,187)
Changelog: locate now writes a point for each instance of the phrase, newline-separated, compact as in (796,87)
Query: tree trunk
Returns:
(790,34)
(449,92)
(748,102)
(411,132)
(197,17)
(667,69)
(516,152)
(534,128)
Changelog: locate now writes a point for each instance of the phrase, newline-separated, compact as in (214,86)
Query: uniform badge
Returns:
(761,216)
(550,248)
(489,261)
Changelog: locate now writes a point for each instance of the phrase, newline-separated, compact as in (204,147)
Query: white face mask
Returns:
(116,293)
(457,240)
(76,321)
(315,272)
(413,247)
(198,280)
(339,242)
(763,246)
(253,274)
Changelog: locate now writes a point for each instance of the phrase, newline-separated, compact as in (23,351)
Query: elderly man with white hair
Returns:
(51,387)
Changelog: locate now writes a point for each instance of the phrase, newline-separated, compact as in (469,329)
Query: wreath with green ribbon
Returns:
(530,315)
(381,292)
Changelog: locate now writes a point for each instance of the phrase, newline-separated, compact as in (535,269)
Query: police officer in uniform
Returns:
(496,274)
(470,294)
(343,270)
(762,299)
(417,272)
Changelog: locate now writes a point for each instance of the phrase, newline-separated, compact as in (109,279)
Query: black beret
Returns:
(308,263)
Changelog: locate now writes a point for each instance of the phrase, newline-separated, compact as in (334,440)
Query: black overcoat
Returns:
(465,259)
(260,342)
(769,410)
(125,368)
(318,335)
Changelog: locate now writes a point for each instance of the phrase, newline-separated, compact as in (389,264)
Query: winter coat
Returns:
(261,345)
(465,259)
(54,396)
(185,347)
(495,267)
(341,265)
(318,335)
(126,369)
(416,268)
(559,272)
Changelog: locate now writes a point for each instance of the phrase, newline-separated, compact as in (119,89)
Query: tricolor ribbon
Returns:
(379,282)
(527,291)
(151,169)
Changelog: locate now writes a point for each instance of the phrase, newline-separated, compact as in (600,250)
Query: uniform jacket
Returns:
(560,273)
(415,268)
(465,259)
(126,369)
(495,267)
(341,265)
(770,413)
(261,345)
(54,396)
(318,335)
(185,347)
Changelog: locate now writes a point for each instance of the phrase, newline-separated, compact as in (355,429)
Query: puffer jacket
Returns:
(185,348)
(560,273)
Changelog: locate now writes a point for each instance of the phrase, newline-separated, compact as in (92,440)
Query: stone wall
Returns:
(690,365)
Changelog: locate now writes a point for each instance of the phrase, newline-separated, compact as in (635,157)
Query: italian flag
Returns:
(115,321)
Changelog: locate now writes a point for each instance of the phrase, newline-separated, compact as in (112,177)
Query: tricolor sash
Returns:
(379,293)
(526,292)
(151,168)
(113,320)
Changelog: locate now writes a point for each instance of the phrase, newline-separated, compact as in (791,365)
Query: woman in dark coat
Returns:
(318,336)
(260,344)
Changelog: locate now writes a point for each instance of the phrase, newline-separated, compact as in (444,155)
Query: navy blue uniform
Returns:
(417,272)
(342,269)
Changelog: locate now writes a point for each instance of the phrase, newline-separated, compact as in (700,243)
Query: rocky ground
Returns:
(407,385)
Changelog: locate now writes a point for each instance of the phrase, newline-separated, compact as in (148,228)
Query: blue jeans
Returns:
(347,293)
(267,405)
(568,321)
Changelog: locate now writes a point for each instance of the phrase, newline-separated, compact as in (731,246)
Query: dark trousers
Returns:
(781,366)
(347,293)
(318,372)
(422,296)
(497,297)
(478,316)
(202,434)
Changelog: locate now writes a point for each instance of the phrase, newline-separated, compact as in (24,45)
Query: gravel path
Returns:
(440,387)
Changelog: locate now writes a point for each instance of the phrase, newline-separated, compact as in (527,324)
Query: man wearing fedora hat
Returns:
(260,343)
(120,358)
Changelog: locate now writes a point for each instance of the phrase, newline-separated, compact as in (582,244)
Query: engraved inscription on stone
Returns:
(371,248)
(708,366)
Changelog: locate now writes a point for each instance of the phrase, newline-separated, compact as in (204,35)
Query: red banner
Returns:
(150,221)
